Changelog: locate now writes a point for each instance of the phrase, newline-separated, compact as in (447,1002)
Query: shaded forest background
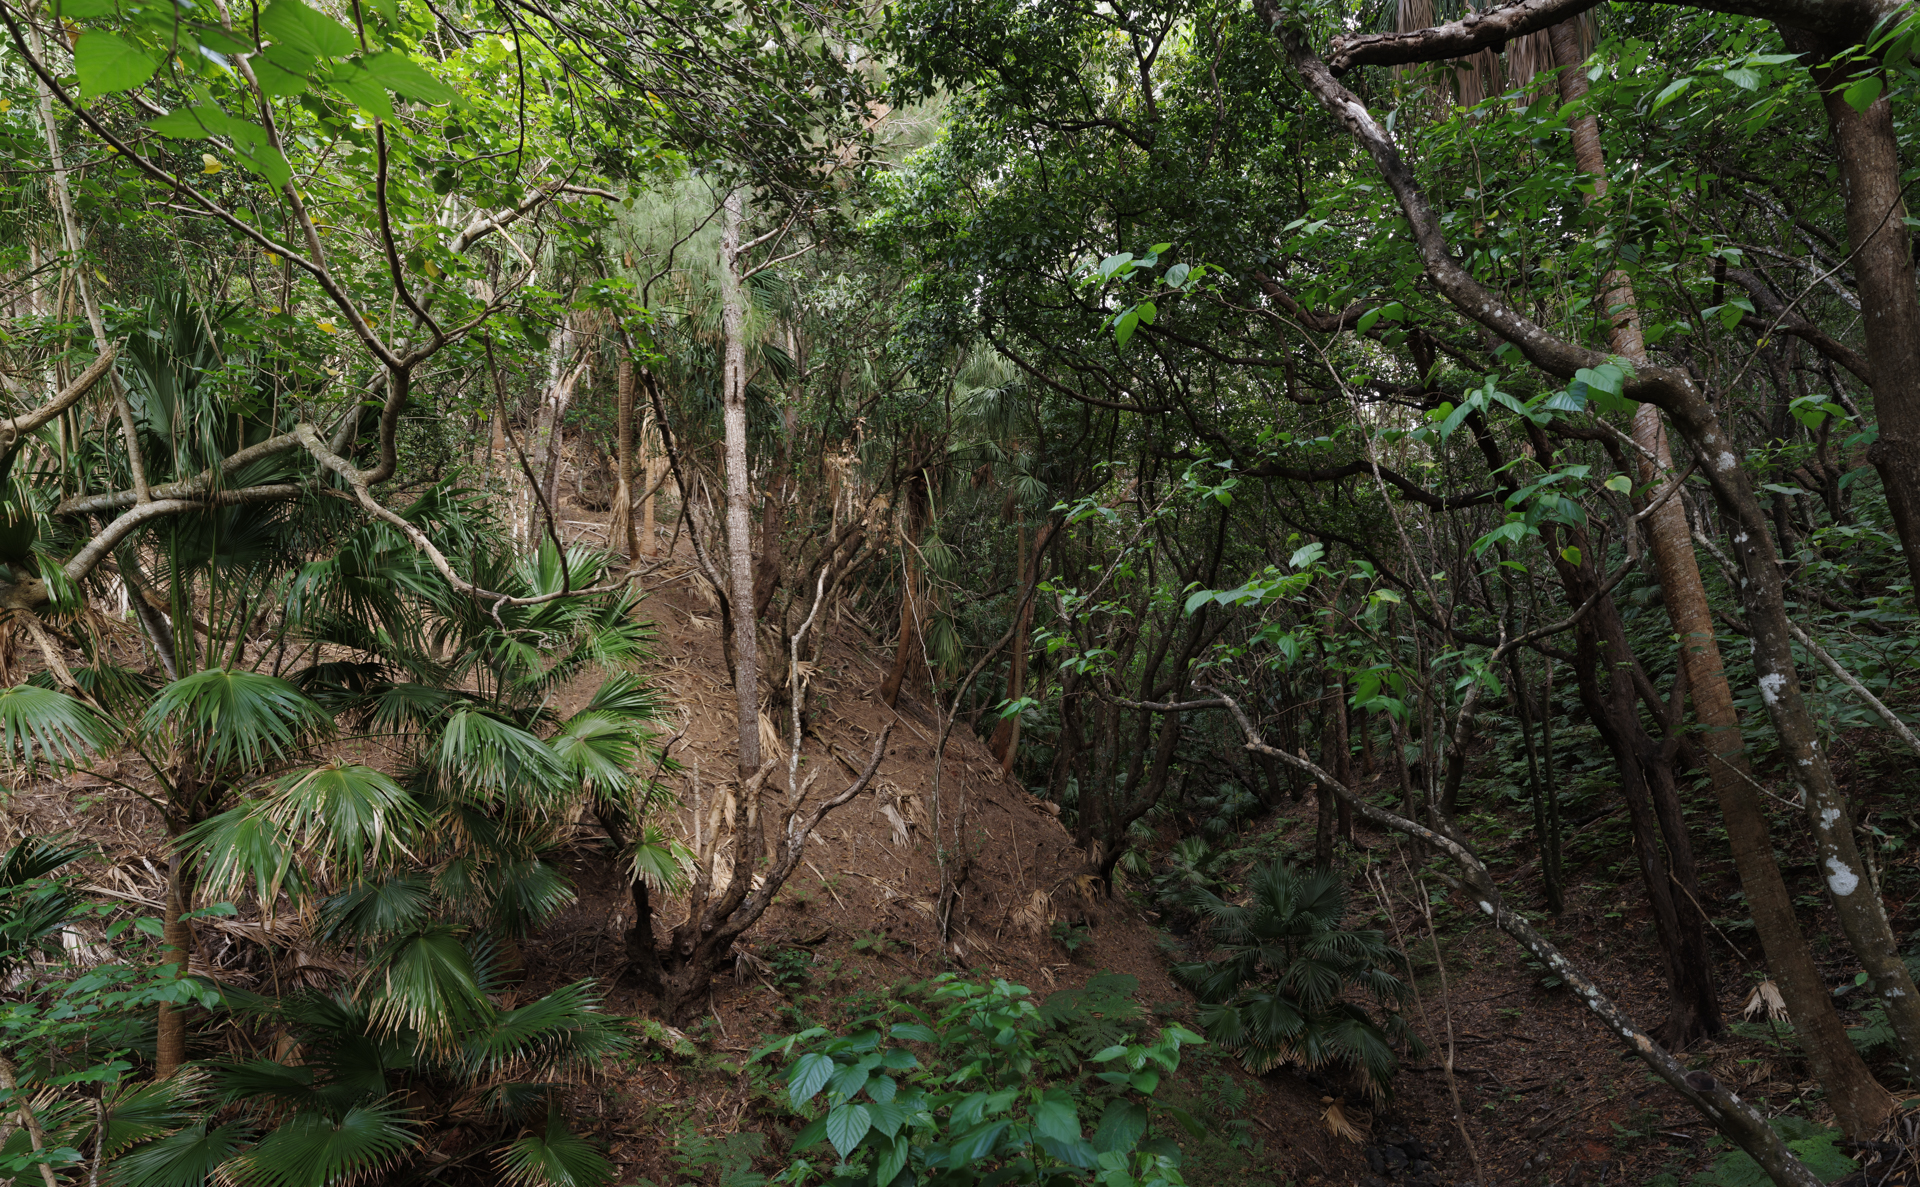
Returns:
(1351,481)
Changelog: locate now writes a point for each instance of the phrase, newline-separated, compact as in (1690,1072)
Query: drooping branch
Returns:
(1728,1113)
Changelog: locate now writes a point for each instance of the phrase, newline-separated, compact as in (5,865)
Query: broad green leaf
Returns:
(1123,328)
(358,86)
(846,1125)
(1570,554)
(1861,94)
(892,1161)
(1620,483)
(291,23)
(848,1081)
(283,70)
(1055,1117)
(1742,77)
(1148,312)
(402,75)
(1367,321)
(1177,275)
(1301,558)
(808,1075)
(106,63)
(80,10)
(911,1033)
(1114,263)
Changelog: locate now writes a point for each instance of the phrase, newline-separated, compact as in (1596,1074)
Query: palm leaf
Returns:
(374,908)
(554,1157)
(661,861)
(312,1150)
(487,760)
(143,1112)
(236,720)
(39,723)
(426,983)
(562,1028)
(188,1158)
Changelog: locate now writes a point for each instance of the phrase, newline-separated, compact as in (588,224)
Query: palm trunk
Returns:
(170,1047)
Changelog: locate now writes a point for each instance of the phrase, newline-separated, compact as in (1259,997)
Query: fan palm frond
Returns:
(236,720)
(40,724)
(375,908)
(426,983)
(187,1158)
(313,1150)
(554,1157)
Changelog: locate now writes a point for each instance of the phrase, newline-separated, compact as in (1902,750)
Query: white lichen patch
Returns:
(1727,461)
(1827,815)
(1486,906)
(1841,880)
(1770,686)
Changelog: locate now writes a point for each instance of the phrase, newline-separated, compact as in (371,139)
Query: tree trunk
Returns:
(746,647)
(620,531)
(1882,263)
(1005,743)
(1858,1100)
(177,946)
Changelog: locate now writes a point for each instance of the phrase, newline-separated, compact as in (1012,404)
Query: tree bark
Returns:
(1882,262)
(620,529)
(177,945)
(746,647)
(1859,1102)
(1005,743)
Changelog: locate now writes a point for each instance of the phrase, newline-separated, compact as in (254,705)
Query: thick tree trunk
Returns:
(620,530)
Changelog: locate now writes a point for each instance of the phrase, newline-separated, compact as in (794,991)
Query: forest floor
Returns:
(1546,1095)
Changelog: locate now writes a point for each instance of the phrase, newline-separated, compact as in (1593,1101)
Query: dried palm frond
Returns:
(1335,1118)
(1036,914)
(1766,997)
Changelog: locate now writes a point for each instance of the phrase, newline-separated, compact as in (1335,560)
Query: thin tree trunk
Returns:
(170,1047)
(746,647)
(1859,1102)
(1882,264)
(620,529)
(1005,743)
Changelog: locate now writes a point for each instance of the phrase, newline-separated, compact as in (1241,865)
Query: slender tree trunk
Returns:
(1882,263)
(620,529)
(177,945)
(746,647)
(1005,743)
(1859,1102)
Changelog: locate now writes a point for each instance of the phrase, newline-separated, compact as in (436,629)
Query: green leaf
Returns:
(846,1125)
(808,1075)
(1177,275)
(1114,263)
(283,70)
(557,1158)
(1733,311)
(293,24)
(38,723)
(1120,1127)
(848,1081)
(358,86)
(1672,91)
(400,74)
(1861,94)
(311,1149)
(1055,1117)
(1605,378)
(1301,558)
(106,63)
(1620,483)
(80,10)
(1124,327)
(911,1033)
(1367,321)
(891,1162)
(1742,77)
(1148,312)
(266,160)
(1570,554)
